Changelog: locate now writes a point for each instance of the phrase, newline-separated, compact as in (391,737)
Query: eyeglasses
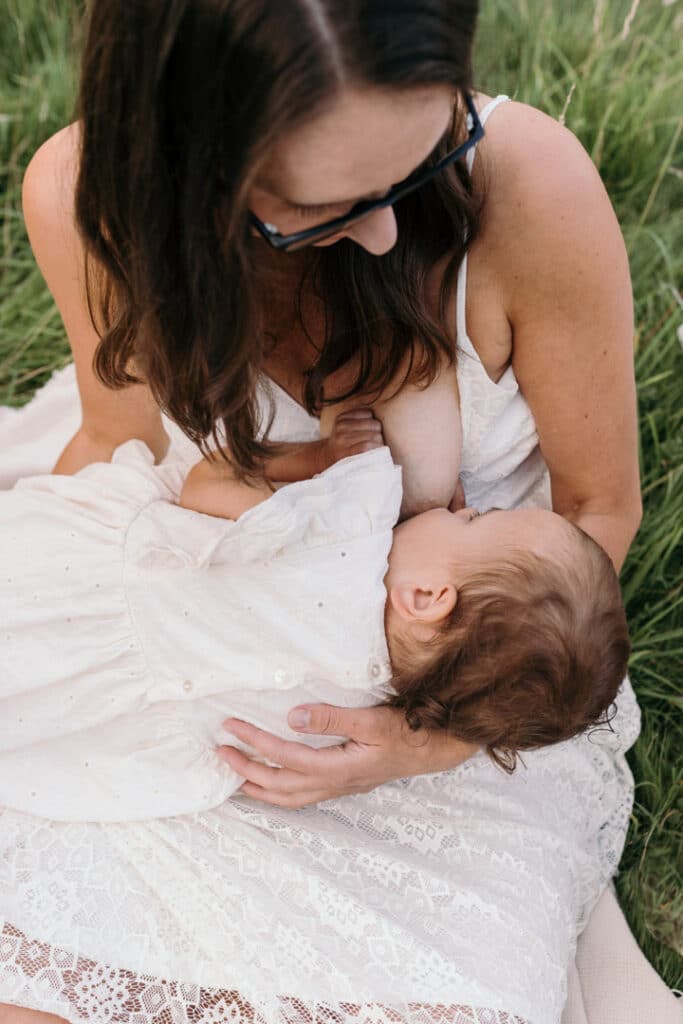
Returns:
(299,239)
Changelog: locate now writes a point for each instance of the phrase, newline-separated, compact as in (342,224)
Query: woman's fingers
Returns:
(304,768)
(380,747)
(366,725)
(298,757)
(292,800)
(286,786)
(266,777)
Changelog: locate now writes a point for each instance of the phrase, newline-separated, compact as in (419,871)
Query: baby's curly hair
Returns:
(533,653)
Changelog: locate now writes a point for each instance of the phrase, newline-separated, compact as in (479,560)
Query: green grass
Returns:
(619,88)
(618,84)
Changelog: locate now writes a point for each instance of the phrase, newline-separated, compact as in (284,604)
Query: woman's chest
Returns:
(294,326)
(483,318)
(289,362)
(478,311)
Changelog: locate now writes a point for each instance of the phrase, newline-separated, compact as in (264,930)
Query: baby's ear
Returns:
(428,604)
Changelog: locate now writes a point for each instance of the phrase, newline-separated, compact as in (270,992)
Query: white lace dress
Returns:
(449,898)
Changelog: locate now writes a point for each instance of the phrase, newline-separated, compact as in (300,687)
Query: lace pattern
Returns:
(81,990)
(374,907)
(445,899)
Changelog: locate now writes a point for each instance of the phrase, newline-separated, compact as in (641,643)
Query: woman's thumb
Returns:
(324,719)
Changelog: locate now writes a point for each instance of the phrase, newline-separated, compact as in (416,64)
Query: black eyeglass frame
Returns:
(300,238)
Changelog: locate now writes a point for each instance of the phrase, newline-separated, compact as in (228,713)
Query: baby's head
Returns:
(507,629)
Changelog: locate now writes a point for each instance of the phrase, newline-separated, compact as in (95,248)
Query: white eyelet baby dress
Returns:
(193,618)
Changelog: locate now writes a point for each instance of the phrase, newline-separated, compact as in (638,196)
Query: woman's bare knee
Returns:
(20,1015)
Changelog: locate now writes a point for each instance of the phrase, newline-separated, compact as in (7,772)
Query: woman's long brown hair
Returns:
(180,103)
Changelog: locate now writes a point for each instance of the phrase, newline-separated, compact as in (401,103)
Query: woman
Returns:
(449,890)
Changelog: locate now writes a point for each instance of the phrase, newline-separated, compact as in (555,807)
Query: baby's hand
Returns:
(353,432)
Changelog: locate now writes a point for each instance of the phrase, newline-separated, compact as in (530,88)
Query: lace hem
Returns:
(42,977)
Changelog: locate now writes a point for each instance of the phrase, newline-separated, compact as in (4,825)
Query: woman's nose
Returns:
(377,232)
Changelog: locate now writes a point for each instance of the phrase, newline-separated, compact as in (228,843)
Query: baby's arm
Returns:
(422,428)
(214,489)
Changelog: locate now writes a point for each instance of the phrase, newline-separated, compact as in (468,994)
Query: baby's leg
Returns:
(421,426)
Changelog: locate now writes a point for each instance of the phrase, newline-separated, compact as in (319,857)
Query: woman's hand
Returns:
(380,747)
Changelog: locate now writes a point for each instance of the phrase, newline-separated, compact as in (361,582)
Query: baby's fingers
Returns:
(366,445)
(352,428)
(348,437)
(354,415)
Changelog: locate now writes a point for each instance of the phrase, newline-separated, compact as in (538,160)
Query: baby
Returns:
(506,628)
(137,626)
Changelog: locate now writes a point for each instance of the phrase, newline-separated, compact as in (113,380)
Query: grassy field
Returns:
(613,71)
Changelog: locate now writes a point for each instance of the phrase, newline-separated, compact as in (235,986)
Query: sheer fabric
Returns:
(386,898)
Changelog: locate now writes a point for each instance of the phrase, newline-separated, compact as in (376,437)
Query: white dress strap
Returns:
(484,115)
(461,295)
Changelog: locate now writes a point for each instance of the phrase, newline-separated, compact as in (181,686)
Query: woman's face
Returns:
(367,142)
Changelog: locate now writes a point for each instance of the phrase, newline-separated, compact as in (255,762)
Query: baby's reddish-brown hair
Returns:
(533,653)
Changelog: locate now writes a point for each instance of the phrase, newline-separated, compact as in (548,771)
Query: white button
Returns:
(188,686)
(379,669)
(281,676)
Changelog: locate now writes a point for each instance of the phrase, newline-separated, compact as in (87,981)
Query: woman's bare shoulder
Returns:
(543,194)
(50,182)
(548,226)
(529,163)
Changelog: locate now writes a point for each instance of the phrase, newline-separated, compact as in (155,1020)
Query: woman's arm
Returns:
(109,417)
(555,245)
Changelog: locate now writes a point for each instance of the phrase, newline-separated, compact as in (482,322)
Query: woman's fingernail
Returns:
(299,719)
